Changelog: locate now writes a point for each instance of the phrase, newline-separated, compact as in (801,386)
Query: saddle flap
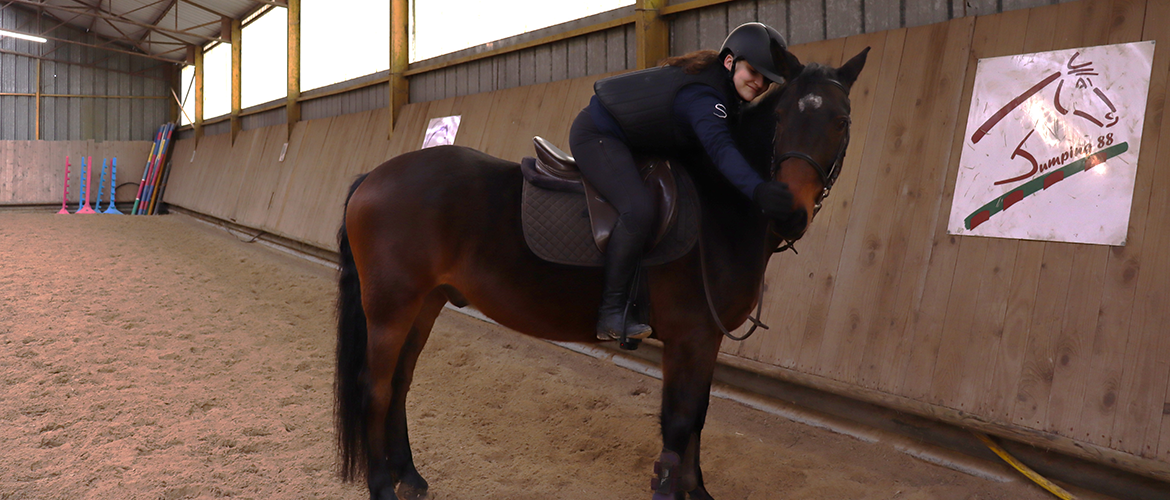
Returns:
(659,180)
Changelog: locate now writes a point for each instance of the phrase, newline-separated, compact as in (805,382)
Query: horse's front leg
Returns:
(688,365)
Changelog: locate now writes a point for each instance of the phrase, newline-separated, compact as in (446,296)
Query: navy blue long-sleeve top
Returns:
(704,112)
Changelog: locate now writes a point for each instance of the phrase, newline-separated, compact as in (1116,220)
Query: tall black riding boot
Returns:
(622,254)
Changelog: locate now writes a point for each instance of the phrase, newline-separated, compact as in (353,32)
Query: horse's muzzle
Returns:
(792,227)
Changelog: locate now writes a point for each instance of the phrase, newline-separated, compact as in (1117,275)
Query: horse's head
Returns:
(811,134)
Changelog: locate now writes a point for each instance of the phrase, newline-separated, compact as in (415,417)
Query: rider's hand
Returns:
(774,198)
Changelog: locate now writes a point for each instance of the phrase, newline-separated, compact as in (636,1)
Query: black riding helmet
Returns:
(756,43)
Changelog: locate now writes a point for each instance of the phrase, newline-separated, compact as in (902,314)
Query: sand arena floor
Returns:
(161,358)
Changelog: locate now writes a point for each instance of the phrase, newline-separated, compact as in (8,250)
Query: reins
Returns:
(756,323)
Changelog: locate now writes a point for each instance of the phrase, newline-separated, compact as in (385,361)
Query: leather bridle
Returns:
(828,176)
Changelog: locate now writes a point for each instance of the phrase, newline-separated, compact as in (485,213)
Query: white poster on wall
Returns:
(1052,145)
(441,131)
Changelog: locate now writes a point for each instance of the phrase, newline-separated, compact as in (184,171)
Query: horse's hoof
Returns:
(411,492)
(699,494)
(386,493)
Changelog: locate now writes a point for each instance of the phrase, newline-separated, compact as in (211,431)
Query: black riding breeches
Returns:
(608,165)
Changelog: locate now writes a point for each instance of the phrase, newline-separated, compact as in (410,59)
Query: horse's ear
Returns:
(787,63)
(848,72)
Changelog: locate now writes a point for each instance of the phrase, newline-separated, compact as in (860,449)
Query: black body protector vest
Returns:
(642,103)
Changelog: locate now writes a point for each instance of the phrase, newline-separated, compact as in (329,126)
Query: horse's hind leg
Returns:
(390,461)
(411,485)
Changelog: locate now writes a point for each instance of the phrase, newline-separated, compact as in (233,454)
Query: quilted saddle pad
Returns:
(556,226)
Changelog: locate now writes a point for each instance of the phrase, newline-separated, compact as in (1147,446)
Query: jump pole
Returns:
(162,158)
(65,195)
(87,162)
(145,171)
(111,209)
(148,188)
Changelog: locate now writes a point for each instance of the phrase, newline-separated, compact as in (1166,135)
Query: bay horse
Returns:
(443,225)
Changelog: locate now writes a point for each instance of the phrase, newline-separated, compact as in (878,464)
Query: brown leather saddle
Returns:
(553,210)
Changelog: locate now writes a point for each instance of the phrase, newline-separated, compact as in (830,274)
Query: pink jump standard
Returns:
(65,194)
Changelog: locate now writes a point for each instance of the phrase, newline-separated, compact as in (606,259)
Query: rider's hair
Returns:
(694,62)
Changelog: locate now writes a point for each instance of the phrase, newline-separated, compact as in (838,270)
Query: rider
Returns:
(685,105)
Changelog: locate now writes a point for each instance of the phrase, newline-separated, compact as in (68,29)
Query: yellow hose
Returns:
(1024,469)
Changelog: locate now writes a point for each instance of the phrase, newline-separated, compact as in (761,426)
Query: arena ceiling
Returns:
(158,28)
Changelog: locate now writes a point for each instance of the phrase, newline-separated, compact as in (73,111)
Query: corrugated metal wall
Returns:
(356,101)
(597,53)
(143,101)
(263,119)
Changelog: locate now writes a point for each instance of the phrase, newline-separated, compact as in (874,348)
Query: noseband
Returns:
(828,176)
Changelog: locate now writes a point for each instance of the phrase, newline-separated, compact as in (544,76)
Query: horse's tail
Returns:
(349,381)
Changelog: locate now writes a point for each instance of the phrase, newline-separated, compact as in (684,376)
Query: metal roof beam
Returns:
(205,8)
(158,29)
(125,38)
(158,19)
(112,13)
(83,44)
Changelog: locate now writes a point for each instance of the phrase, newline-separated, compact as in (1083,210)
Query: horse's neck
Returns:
(736,240)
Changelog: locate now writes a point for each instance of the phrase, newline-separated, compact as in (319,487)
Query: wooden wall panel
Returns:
(379,148)
(1033,398)
(500,138)
(180,184)
(214,160)
(883,65)
(1123,267)
(330,178)
(8,182)
(296,144)
(1099,405)
(917,213)
(1142,395)
(32,172)
(258,177)
(1006,354)
(982,270)
(408,133)
(560,110)
(299,184)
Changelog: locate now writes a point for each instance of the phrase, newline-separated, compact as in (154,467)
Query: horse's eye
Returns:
(842,124)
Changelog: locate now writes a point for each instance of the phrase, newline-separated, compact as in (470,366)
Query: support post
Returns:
(38,122)
(175,84)
(198,93)
(399,59)
(293,107)
(236,89)
(40,64)
(652,33)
